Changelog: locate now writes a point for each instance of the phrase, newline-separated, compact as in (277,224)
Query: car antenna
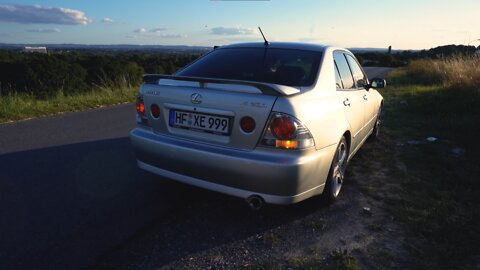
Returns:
(266,42)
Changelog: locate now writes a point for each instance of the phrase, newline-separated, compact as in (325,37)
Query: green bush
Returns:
(43,76)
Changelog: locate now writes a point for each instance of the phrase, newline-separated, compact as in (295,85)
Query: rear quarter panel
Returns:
(319,107)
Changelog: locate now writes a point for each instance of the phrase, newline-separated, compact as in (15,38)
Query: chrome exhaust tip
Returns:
(255,202)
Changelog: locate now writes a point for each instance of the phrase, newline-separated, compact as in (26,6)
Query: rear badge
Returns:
(254,104)
(196,98)
(153,93)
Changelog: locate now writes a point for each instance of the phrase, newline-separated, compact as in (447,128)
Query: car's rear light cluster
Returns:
(285,131)
(140,107)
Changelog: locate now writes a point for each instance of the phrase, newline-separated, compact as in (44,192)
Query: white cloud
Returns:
(107,20)
(157,32)
(173,36)
(42,30)
(230,31)
(140,30)
(158,29)
(28,14)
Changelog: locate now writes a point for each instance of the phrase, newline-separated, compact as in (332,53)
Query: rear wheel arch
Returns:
(376,126)
(336,173)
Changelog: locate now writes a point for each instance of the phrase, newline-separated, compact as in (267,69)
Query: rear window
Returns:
(279,66)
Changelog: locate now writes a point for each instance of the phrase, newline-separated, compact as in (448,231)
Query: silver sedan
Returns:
(273,123)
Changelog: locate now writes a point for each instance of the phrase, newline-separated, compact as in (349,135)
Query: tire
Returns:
(376,128)
(336,174)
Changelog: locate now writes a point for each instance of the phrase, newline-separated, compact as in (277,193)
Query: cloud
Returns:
(140,30)
(173,36)
(157,32)
(158,29)
(28,14)
(230,31)
(107,20)
(42,30)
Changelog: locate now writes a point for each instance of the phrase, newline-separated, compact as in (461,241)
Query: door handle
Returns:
(365,97)
(346,102)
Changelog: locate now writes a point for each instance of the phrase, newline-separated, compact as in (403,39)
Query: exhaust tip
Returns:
(255,202)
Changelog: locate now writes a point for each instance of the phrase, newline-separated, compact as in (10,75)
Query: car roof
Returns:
(280,45)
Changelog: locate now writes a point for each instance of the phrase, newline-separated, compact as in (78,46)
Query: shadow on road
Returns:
(63,207)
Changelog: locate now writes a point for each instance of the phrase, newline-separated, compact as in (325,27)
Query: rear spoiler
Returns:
(266,88)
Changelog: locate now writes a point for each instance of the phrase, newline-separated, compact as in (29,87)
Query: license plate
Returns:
(200,122)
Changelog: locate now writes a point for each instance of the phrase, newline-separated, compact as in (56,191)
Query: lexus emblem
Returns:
(196,98)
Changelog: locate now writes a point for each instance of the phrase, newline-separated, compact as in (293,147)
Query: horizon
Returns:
(413,26)
(199,47)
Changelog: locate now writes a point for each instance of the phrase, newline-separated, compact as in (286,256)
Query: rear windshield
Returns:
(279,66)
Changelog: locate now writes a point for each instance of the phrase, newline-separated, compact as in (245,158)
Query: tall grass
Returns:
(19,106)
(459,71)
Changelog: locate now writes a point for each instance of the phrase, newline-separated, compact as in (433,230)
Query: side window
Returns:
(338,80)
(357,72)
(344,70)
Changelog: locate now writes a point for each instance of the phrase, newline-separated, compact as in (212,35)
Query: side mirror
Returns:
(361,83)
(377,83)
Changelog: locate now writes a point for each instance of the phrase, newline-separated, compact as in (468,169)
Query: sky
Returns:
(406,24)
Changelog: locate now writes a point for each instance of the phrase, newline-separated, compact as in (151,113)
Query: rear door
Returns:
(351,97)
(360,80)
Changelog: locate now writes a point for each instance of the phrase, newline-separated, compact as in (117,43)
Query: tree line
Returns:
(44,75)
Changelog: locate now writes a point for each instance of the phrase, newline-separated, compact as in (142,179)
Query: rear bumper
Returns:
(279,177)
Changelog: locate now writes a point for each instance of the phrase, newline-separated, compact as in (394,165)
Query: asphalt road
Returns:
(377,72)
(70,189)
(70,194)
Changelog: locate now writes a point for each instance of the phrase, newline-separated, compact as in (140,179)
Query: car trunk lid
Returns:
(209,110)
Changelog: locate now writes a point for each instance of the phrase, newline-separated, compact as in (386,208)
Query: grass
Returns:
(459,72)
(439,199)
(23,106)
(340,259)
(335,260)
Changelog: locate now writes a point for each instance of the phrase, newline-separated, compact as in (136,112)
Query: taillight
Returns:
(247,124)
(283,127)
(140,106)
(285,131)
(155,110)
